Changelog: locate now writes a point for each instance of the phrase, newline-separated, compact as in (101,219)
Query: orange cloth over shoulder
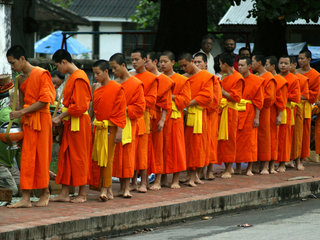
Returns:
(124,156)
(173,133)
(247,135)
(201,85)
(233,84)
(37,142)
(75,150)
(109,103)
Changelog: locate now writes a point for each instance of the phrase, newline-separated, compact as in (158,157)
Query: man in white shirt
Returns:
(206,47)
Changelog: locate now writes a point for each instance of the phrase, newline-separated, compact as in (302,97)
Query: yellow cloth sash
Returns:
(223,133)
(292,105)
(194,118)
(127,132)
(75,121)
(33,119)
(284,117)
(307,108)
(175,114)
(100,144)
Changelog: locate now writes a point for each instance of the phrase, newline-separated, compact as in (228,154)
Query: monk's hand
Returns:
(56,121)
(118,137)
(160,125)
(256,122)
(193,103)
(278,120)
(16,114)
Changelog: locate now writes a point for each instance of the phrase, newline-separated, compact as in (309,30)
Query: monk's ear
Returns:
(22,58)
(155,61)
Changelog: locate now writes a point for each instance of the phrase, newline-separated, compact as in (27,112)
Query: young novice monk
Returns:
(124,157)
(109,106)
(36,93)
(75,150)
(201,85)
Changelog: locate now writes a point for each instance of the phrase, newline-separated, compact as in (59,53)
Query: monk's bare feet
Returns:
(249,173)
(175,185)
(300,166)
(23,203)
(281,168)
(289,164)
(103,197)
(226,175)
(142,189)
(191,183)
(127,194)
(155,187)
(109,193)
(79,199)
(43,201)
(264,172)
(210,176)
(133,187)
(232,170)
(60,198)
(272,171)
(237,171)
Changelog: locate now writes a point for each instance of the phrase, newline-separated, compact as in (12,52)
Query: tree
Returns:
(62,3)
(147,15)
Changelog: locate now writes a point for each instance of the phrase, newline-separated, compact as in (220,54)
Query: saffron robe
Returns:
(278,106)
(164,102)
(37,129)
(264,131)
(247,135)
(109,103)
(124,156)
(201,85)
(234,85)
(285,135)
(75,150)
(173,133)
(144,149)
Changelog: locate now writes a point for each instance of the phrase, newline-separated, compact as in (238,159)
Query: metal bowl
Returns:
(15,133)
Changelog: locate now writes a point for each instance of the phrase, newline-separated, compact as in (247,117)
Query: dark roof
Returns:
(105,8)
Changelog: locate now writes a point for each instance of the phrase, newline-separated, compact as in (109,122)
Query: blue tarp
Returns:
(51,43)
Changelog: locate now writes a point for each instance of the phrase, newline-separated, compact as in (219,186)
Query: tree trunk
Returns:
(270,38)
(182,24)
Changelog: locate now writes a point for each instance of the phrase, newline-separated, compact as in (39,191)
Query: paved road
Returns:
(293,221)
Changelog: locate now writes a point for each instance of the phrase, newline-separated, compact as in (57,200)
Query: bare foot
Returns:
(264,172)
(155,187)
(300,167)
(21,204)
(237,171)
(175,186)
(43,201)
(249,173)
(198,181)
(103,198)
(232,171)
(109,193)
(226,175)
(191,183)
(290,164)
(142,189)
(60,198)
(127,194)
(281,169)
(210,176)
(133,187)
(272,171)
(79,199)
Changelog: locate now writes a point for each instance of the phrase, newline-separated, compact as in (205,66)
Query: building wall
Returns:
(86,40)
(110,43)
(5,40)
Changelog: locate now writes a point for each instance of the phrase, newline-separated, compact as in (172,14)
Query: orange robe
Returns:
(212,126)
(285,137)
(297,129)
(164,102)
(234,85)
(247,145)
(278,106)
(37,128)
(124,156)
(264,132)
(109,103)
(75,150)
(144,149)
(174,141)
(201,85)
(314,88)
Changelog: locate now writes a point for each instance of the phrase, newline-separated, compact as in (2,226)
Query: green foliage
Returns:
(147,15)
(62,3)
(216,10)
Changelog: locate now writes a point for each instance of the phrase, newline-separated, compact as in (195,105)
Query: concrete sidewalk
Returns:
(94,218)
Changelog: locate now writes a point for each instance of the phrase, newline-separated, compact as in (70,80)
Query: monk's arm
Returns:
(118,137)
(32,108)
(193,102)
(256,119)
(162,120)
(278,119)
(226,94)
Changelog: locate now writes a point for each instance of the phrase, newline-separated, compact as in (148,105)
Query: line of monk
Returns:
(154,120)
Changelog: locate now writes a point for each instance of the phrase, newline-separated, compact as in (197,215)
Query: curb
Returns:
(106,224)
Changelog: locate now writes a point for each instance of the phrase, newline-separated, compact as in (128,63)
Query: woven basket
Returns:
(4,79)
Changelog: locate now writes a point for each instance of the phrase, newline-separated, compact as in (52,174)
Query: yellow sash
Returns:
(242,106)
(100,144)
(147,121)
(194,118)
(75,121)
(223,133)
(292,105)
(127,132)
(284,117)
(175,114)
(307,108)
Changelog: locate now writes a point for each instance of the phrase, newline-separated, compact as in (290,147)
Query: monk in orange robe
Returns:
(264,131)
(285,137)
(200,60)
(37,92)
(109,106)
(297,129)
(314,88)
(144,151)
(124,157)
(201,85)
(277,109)
(73,161)
(247,135)
(232,87)
(159,116)
(174,151)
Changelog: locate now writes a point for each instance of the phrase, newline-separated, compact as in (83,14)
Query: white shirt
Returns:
(210,62)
